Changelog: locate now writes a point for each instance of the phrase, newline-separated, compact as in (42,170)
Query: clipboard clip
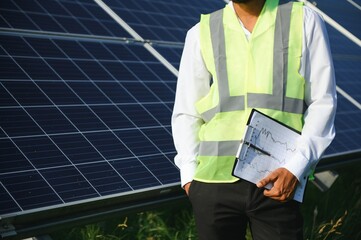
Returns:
(251,145)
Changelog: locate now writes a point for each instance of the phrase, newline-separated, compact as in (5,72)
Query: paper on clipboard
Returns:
(266,146)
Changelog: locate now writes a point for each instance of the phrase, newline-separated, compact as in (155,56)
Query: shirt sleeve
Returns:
(193,84)
(320,96)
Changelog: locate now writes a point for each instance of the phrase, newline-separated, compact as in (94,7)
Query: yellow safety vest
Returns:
(261,73)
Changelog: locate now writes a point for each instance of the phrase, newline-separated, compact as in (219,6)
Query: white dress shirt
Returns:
(320,95)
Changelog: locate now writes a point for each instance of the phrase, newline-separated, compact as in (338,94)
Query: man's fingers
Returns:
(186,188)
(273,192)
(262,183)
(281,184)
(276,194)
(269,179)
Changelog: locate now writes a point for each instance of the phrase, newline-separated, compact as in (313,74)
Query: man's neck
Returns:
(248,12)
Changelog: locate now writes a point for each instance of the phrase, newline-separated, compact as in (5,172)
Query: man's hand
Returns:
(284,184)
(186,187)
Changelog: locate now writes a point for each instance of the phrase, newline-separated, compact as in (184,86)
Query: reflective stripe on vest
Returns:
(222,148)
(226,102)
(280,63)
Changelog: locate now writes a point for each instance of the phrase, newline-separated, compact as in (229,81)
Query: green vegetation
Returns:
(334,214)
(176,223)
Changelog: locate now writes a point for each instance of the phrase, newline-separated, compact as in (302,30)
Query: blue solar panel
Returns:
(172,53)
(348,129)
(162,20)
(29,189)
(347,61)
(344,13)
(63,16)
(74,106)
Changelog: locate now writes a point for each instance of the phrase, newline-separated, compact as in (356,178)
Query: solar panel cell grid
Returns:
(118,70)
(98,51)
(116,92)
(77,148)
(161,113)
(59,92)
(140,91)
(137,142)
(26,93)
(105,179)
(44,47)
(16,122)
(6,200)
(162,20)
(66,69)
(29,189)
(71,105)
(347,123)
(135,173)
(37,69)
(51,120)
(89,92)
(93,70)
(339,9)
(161,91)
(71,49)
(347,60)
(84,118)
(108,145)
(41,152)
(172,54)
(15,46)
(59,16)
(11,158)
(69,183)
(46,23)
(10,70)
(162,169)
(17,20)
(76,9)
(5,98)
(112,117)
(160,137)
(53,8)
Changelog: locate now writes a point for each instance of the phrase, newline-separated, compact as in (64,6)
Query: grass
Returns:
(149,225)
(334,214)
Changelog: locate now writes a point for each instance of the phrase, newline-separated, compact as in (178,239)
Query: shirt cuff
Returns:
(299,167)
(187,173)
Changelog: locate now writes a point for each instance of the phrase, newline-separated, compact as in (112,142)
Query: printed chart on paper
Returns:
(266,146)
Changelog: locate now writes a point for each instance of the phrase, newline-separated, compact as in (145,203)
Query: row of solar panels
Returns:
(85,109)
(155,20)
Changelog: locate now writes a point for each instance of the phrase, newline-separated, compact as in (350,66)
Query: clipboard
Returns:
(267,144)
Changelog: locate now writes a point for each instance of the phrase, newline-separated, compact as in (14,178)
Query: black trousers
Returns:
(223,210)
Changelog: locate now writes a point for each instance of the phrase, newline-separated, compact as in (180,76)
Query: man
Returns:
(267,55)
